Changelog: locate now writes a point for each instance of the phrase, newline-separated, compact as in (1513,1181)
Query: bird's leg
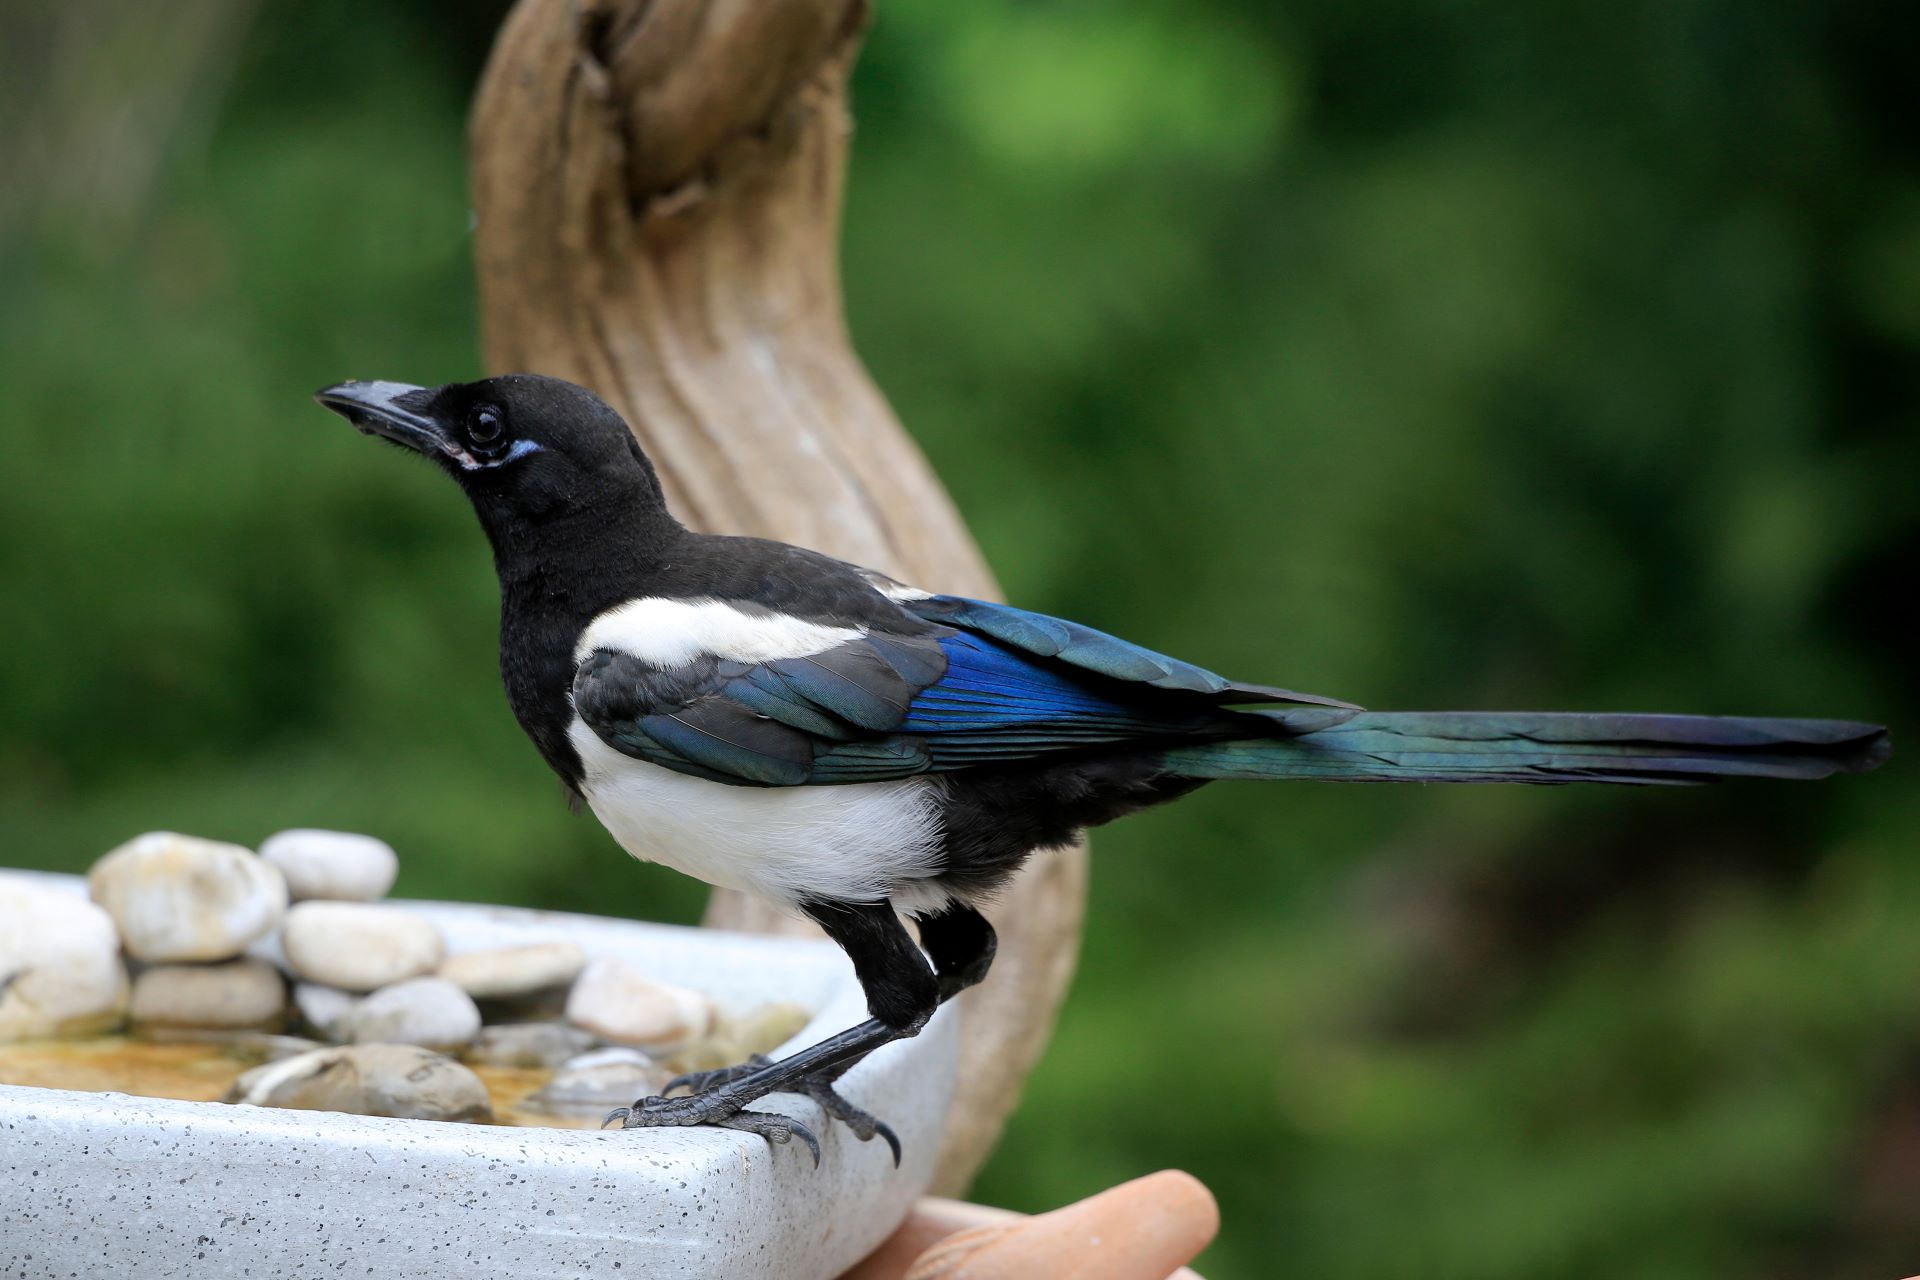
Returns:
(959,941)
(961,944)
(902,993)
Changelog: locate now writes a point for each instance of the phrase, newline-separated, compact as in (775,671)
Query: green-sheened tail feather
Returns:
(1539,747)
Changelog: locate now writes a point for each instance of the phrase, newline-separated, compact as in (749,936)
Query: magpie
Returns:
(852,748)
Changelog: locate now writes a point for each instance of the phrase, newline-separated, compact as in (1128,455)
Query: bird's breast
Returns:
(785,845)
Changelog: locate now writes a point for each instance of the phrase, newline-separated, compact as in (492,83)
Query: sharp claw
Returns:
(776,1129)
(806,1135)
(863,1125)
(885,1130)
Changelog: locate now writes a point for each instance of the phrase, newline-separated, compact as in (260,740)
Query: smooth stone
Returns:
(178,897)
(529,1044)
(323,1009)
(1139,1230)
(596,1081)
(608,1055)
(617,1002)
(506,972)
(60,967)
(241,995)
(359,946)
(399,1080)
(430,1012)
(336,865)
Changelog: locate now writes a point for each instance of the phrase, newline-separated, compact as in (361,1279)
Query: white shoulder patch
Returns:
(672,633)
(892,590)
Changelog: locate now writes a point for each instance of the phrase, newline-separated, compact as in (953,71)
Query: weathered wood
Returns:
(657,191)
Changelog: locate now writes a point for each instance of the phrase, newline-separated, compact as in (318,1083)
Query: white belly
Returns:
(857,843)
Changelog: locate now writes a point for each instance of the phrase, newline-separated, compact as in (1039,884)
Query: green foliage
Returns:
(1429,355)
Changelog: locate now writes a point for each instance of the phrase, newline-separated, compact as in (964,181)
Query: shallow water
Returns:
(197,1072)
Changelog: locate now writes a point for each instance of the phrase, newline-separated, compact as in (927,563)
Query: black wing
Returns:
(989,685)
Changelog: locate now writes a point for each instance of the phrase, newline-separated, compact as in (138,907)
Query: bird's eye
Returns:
(484,425)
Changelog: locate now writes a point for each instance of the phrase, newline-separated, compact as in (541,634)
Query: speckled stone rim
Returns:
(104,1184)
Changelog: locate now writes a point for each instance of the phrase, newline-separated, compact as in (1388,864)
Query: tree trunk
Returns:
(657,191)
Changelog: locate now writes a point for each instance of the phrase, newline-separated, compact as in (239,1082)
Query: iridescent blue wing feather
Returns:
(1096,651)
(888,706)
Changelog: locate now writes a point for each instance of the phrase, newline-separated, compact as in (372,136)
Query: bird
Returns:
(855,749)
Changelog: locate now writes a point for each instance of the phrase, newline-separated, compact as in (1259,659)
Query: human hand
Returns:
(1140,1230)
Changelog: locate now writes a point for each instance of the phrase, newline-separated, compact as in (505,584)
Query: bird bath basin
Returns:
(105,1183)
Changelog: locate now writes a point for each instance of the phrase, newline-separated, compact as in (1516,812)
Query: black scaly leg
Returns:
(902,993)
(961,944)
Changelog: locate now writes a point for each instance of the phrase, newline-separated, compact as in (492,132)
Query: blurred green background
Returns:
(1431,354)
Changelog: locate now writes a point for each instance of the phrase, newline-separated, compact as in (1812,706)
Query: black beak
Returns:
(390,409)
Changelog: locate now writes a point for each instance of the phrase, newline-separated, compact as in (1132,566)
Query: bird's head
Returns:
(525,448)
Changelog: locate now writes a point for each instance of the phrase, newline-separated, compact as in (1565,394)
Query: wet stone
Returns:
(337,865)
(431,1012)
(60,968)
(529,1044)
(398,1080)
(596,1082)
(239,995)
(324,1010)
(181,898)
(359,946)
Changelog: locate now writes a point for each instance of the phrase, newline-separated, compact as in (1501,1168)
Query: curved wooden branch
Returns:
(657,190)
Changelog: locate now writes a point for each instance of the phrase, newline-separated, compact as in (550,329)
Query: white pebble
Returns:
(618,1002)
(337,865)
(177,897)
(502,972)
(60,969)
(528,1044)
(430,1012)
(359,946)
(324,1009)
(608,1056)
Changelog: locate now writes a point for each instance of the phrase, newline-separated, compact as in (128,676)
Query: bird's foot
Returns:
(713,1109)
(720,1097)
(701,1081)
(819,1086)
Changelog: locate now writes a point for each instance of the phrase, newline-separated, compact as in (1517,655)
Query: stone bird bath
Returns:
(97,1184)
